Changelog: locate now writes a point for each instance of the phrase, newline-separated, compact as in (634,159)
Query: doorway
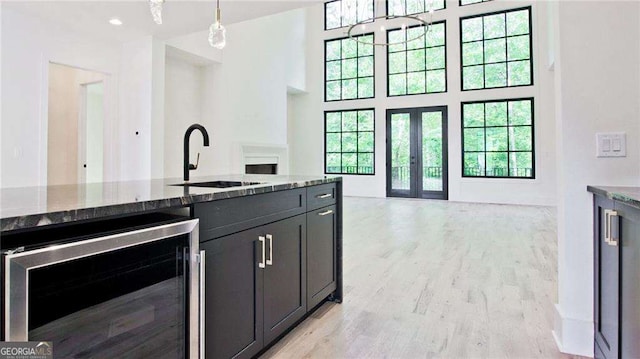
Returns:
(90,134)
(417,153)
(76,125)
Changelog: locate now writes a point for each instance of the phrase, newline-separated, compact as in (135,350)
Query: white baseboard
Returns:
(573,336)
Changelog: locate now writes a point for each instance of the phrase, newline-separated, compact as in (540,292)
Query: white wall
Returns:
(28,45)
(183,107)
(307,150)
(134,96)
(94,145)
(598,86)
(245,98)
(196,47)
(156,156)
(135,119)
(1,177)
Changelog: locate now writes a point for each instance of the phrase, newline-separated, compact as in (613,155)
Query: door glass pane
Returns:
(400,151)
(432,151)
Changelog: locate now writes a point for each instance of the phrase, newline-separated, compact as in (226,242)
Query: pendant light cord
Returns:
(218,12)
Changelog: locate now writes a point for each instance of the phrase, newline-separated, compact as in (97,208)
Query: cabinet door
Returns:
(321,254)
(233,308)
(606,283)
(629,218)
(284,275)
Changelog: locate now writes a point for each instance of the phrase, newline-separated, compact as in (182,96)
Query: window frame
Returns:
(386,5)
(446,77)
(357,152)
(506,62)
(533,139)
(473,3)
(342,26)
(373,55)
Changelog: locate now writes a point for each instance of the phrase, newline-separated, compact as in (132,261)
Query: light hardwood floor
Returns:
(426,278)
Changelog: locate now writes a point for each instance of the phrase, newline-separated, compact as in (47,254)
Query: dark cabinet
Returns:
(284,275)
(617,279)
(629,284)
(255,287)
(233,296)
(321,249)
(270,259)
(606,279)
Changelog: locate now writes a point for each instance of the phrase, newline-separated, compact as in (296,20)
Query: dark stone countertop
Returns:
(28,207)
(627,195)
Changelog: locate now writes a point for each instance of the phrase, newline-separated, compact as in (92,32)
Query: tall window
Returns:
(496,50)
(349,69)
(349,142)
(419,66)
(469,2)
(410,7)
(497,138)
(339,13)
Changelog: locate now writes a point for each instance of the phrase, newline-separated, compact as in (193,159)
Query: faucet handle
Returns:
(195,167)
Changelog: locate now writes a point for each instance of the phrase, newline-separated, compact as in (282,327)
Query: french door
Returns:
(417,152)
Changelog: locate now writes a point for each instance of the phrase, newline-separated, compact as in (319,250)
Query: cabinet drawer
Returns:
(219,218)
(321,196)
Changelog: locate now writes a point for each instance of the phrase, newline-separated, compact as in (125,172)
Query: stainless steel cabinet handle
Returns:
(261,264)
(202,297)
(270,260)
(327,212)
(326,195)
(608,235)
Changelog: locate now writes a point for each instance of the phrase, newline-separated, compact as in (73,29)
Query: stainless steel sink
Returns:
(217,184)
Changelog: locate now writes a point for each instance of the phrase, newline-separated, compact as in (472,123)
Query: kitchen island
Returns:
(273,245)
(616,244)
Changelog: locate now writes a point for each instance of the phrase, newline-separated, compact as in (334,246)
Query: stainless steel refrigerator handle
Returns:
(261,264)
(270,260)
(202,297)
(18,265)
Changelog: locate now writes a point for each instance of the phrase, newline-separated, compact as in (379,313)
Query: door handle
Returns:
(261,264)
(270,260)
(609,237)
(202,299)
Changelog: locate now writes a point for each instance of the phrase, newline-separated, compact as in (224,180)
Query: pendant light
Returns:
(156,10)
(217,32)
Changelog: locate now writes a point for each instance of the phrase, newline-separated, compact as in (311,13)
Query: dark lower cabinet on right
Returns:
(255,287)
(321,261)
(616,279)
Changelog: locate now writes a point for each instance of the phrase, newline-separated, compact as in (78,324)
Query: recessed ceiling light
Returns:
(115,21)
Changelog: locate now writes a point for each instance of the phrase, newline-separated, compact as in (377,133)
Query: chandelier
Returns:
(356,10)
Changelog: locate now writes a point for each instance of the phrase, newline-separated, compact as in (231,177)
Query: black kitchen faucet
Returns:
(188,166)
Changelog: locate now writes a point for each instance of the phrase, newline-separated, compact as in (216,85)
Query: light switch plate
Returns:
(611,144)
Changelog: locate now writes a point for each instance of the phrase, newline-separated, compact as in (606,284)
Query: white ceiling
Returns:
(180,17)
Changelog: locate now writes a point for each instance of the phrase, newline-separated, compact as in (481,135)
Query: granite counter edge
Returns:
(617,194)
(66,216)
